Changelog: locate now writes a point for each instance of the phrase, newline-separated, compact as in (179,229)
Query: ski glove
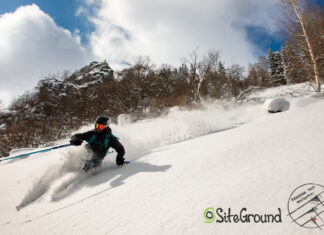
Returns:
(75,141)
(120,161)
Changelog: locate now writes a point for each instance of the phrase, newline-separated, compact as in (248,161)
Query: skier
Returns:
(99,141)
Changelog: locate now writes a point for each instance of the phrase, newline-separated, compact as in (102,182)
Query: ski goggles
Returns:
(100,126)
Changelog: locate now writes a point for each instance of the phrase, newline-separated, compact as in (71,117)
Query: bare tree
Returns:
(299,24)
(235,75)
(208,71)
(194,80)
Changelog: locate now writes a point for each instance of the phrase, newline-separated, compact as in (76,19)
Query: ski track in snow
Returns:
(52,175)
(60,179)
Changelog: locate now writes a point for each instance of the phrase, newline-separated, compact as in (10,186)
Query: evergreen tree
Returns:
(276,67)
(293,65)
(286,63)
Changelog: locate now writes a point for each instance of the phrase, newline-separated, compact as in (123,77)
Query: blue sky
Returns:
(50,37)
(63,12)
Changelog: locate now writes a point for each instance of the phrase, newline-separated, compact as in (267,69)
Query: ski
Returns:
(93,170)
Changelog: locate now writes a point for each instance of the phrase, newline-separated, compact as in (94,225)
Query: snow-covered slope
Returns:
(262,94)
(222,156)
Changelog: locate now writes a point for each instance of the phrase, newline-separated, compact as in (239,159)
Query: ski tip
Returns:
(126,162)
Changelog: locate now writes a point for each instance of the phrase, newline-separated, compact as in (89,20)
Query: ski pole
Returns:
(40,151)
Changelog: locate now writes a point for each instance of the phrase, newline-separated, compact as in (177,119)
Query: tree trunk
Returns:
(309,45)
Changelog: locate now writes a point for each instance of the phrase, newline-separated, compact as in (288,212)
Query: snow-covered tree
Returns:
(276,67)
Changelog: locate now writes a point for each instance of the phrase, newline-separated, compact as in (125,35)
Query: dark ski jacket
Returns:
(98,144)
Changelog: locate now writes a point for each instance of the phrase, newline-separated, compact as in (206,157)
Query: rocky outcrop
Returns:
(94,73)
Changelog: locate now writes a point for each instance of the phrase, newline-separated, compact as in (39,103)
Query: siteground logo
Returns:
(209,215)
(221,216)
(306,206)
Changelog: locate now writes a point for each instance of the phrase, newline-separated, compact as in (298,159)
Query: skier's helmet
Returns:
(102,119)
(101,122)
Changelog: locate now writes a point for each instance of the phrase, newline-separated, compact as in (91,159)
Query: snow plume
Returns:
(180,125)
(59,178)
(140,137)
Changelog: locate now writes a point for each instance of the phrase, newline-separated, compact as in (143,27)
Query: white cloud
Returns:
(31,46)
(167,30)
(80,11)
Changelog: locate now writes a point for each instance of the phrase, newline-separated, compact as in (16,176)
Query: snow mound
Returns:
(276,105)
